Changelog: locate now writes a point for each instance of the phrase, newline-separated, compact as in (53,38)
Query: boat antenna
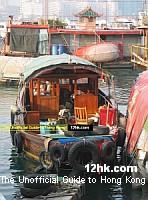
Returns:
(114,95)
(145,6)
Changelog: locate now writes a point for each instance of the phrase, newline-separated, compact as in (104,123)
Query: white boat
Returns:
(102,52)
(11,67)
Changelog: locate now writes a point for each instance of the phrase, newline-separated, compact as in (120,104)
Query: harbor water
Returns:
(13,166)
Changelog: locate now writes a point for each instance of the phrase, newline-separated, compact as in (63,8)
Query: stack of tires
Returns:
(35,185)
(77,155)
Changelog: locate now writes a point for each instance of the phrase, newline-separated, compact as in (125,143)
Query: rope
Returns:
(134,154)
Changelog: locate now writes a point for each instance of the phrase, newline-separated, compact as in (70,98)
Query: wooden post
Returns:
(31,93)
(38,94)
(75,88)
(57,89)
(75,42)
(49,43)
(107,114)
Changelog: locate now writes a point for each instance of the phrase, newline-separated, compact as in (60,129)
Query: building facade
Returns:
(30,9)
(67,8)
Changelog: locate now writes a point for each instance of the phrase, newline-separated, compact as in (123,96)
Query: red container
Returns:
(107,116)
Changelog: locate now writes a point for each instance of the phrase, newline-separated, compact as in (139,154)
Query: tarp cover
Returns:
(143,139)
(24,40)
(12,67)
(52,61)
(137,110)
(43,42)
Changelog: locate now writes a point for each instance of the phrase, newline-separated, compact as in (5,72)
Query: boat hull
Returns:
(33,145)
(137,123)
(103,52)
(11,67)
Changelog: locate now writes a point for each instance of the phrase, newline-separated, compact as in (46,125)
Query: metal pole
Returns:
(106,13)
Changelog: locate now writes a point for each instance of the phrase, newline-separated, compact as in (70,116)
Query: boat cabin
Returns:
(56,83)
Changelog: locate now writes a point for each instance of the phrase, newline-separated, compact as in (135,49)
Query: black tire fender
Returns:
(12,117)
(30,193)
(57,153)
(18,142)
(38,183)
(45,160)
(121,137)
(101,130)
(108,150)
(12,131)
(83,148)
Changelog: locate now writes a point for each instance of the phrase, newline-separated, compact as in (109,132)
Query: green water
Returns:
(12,166)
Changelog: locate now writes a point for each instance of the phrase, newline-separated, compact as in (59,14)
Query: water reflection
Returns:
(108,191)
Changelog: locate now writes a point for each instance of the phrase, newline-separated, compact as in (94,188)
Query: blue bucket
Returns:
(61,49)
(54,49)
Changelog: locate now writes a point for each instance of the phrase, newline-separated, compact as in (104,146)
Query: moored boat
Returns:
(59,119)
(101,52)
(137,125)
(11,67)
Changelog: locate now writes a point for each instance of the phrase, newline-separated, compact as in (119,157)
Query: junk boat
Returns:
(137,125)
(61,117)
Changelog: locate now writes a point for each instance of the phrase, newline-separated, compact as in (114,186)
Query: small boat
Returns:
(59,119)
(11,67)
(137,124)
(99,53)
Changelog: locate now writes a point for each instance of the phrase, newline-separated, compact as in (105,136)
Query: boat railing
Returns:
(107,102)
(139,55)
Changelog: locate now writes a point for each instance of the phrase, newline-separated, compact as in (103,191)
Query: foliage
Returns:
(56,23)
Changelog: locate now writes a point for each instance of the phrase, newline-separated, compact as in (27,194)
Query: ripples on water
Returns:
(7,97)
(124,79)
(13,166)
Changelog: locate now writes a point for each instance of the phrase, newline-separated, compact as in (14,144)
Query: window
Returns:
(82,80)
(35,92)
(64,81)
(91,19)
(45,88)
(82,19)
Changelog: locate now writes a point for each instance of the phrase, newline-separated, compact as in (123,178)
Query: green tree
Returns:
(56,23)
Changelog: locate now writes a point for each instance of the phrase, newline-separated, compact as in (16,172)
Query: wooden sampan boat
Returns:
(57,118)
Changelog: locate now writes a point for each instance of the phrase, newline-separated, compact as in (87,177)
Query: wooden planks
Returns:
(89,101)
